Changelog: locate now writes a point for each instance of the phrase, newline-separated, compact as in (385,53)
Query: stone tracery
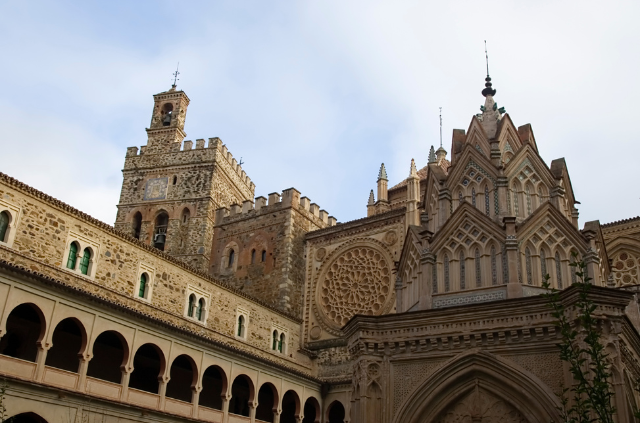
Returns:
(356,282)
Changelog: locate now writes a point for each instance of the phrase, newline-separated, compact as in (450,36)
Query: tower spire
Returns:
(488,91)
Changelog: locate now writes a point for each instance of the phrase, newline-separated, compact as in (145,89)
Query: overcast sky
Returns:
(316,94)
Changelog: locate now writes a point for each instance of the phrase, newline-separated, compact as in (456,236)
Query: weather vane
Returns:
(241,162)
(175,76)
(486,55)
(440,127)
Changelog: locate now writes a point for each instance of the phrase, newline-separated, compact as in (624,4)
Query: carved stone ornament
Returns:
(315,332)
(321,253)
(356,281)
(483,407)
(390,238)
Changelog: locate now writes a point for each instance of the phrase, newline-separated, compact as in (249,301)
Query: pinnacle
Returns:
(432,155)
(371,199)
(414,171)
(383,173)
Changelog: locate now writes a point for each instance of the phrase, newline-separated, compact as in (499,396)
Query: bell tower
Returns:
(170,189)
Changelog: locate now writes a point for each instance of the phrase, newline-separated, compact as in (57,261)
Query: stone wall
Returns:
(45,229)
(277,228)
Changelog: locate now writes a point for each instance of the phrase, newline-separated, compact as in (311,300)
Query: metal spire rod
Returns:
(486,55)
(175,76)
(440,127)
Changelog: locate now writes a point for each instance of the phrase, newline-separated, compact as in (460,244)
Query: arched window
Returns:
(182,378)
(192,303)
(336,412)
(241,326)
(4,226)
(186,214)
(160,231)
(516,208)
(558,270)
(486,200)
(275,340)
(137,225)
(473,196)
(200,310)
(494,267)
(241,393)
(24,328)
(478,269)
(68,341)
(281,343)
(109,355)
(84,263)
(447,287)
(167,111)
(214,385)
(232,256)
(264,256)
(528,195)
(543,263)
(142,292)
(462,271)
(148,366)
(434,277)
(505,265)
(253,256)
(73,256)
(527,258)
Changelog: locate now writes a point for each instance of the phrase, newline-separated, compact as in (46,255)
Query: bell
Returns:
(160,238)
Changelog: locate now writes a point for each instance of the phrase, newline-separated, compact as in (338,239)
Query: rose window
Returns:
(625,269)
(356,282)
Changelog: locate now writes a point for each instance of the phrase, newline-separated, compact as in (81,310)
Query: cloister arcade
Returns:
(63,352)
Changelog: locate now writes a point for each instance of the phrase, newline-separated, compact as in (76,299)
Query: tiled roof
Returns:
(620,222)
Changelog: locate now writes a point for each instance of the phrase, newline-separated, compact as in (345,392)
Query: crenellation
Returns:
(260,203)
(324,216)
(235,209)
(200,143)
(314,209)
(304,203)
(187,145)
(247,205)
(132,151)
(332,221)
(274,198)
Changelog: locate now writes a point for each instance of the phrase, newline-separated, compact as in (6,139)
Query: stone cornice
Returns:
(53,202)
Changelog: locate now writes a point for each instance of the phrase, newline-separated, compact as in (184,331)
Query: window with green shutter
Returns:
(275,340)
(192,300)
(73,256)
(84,263)
(281,342)
(240,326)
(4,226)
(143,285)
(199,309)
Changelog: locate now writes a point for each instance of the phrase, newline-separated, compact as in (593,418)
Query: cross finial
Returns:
(488,91)
(440,127)
(175,76)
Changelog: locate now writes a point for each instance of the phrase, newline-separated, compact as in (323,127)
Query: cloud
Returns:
(316,95)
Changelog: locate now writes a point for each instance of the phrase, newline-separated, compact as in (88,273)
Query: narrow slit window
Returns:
(486,200)
(253,256)
(264,256)
(434,277)
(478,269)
(447,286)
(275,340)
(281,342)
(241,326)
(200,309)
(527,258)
(558,270)
(232,257)
(462,271)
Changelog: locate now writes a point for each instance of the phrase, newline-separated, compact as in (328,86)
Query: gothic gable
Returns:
(509,141)
(477,137)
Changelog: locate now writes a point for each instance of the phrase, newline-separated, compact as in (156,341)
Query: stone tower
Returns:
(171,190)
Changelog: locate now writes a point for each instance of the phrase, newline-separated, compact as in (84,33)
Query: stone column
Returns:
(126,374)
(444,204)
(253,406)
(226,398)
(276,416)
(591,258)
(514,288)
(399,294)
(41,357)
(195,399)
(82,371)
(502,185)
(162,390)
(556,197)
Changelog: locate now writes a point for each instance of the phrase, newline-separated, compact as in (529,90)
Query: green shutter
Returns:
(190,310)
(275,340)
(199,310)
(84,263)
(281,342)
(143,285)
(73,256)
(4,224)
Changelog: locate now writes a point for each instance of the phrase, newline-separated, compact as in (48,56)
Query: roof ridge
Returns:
(619,222)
